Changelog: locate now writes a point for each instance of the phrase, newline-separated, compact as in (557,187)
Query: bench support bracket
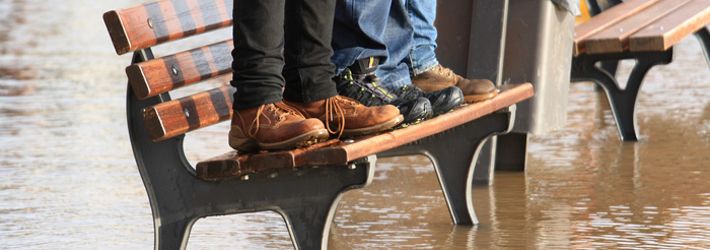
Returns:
(703,36)
(622,99)
(455,154)
(305,197)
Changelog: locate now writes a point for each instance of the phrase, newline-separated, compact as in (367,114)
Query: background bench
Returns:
(302,185)
(644,30)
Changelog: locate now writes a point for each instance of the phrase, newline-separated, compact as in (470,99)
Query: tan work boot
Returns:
(273,126)
(345,116)
(440,77)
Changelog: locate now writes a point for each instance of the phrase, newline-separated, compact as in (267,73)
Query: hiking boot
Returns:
(442,101)
(440,77)
(273,126)
(360,83)
(345,116)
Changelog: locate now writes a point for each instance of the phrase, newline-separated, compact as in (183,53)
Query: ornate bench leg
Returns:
(704,36)
(309,214)
(454,154)
(621,100)
(174,234)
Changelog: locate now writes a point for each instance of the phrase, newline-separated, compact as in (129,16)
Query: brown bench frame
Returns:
(623,100)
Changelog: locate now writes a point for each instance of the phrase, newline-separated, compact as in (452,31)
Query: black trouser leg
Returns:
(309,30)
(258,60)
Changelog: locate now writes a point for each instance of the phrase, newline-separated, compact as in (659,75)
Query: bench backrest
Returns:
(641,25)
(159,22)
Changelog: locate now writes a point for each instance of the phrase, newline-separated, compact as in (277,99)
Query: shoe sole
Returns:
(251,145)
(480,98)
(376,128)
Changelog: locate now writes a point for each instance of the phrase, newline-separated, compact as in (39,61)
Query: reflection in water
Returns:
(68,179)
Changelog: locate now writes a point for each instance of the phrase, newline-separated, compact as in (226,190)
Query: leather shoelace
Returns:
(448,73)
(279,108)
(334,111)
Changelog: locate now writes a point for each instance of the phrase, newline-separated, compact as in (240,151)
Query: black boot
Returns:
(359,82)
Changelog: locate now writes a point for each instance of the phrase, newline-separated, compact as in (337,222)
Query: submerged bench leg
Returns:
(174,234)
(454,154)
(621,100)
(309,217)
(704,36)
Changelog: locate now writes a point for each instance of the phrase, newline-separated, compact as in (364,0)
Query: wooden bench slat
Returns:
(161,75)
(606,19)
(236,164)
(671,29)
(166,20)
(176,117)
(338,153)
(615,38)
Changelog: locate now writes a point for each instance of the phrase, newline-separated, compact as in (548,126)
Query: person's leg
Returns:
(260,119)
(359,29)
(258,62)
(427,73)
(422,14)
(395,72)
(309,72)
(398,37)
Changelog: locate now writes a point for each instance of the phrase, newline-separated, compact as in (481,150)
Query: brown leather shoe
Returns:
(440,77)
(273,126)
(345,116)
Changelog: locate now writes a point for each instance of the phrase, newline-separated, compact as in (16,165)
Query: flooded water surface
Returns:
(68,178)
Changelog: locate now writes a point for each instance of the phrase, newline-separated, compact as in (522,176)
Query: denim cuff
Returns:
(424,66)
(343,58)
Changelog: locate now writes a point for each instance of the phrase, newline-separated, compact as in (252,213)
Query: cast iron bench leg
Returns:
(454,154)
(173,234)
(309,216)
(621,100)
(704,36)
(306,197)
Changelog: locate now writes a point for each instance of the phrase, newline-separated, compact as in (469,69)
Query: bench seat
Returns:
(337,153)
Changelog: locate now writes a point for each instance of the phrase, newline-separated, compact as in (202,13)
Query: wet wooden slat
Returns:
(337,153)
(169,119)
(671,29)
(161,21)
(235,164)
(606,19)
(161,75)
(614,38)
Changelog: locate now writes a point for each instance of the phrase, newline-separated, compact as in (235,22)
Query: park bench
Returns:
(643,30)
(303,185)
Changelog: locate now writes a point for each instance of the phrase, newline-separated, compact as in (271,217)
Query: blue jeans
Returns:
(358,31)
(423,55)
(379,28)
(400,32)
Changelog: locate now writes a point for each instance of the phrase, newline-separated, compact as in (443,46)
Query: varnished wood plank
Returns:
(161,75)
(606,19)
(614,39)
(169,119)
(337,153)
(236,164)
(672,28)
(157,22)
(396,138)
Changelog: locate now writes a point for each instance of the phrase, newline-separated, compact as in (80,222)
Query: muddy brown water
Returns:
(68,179)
